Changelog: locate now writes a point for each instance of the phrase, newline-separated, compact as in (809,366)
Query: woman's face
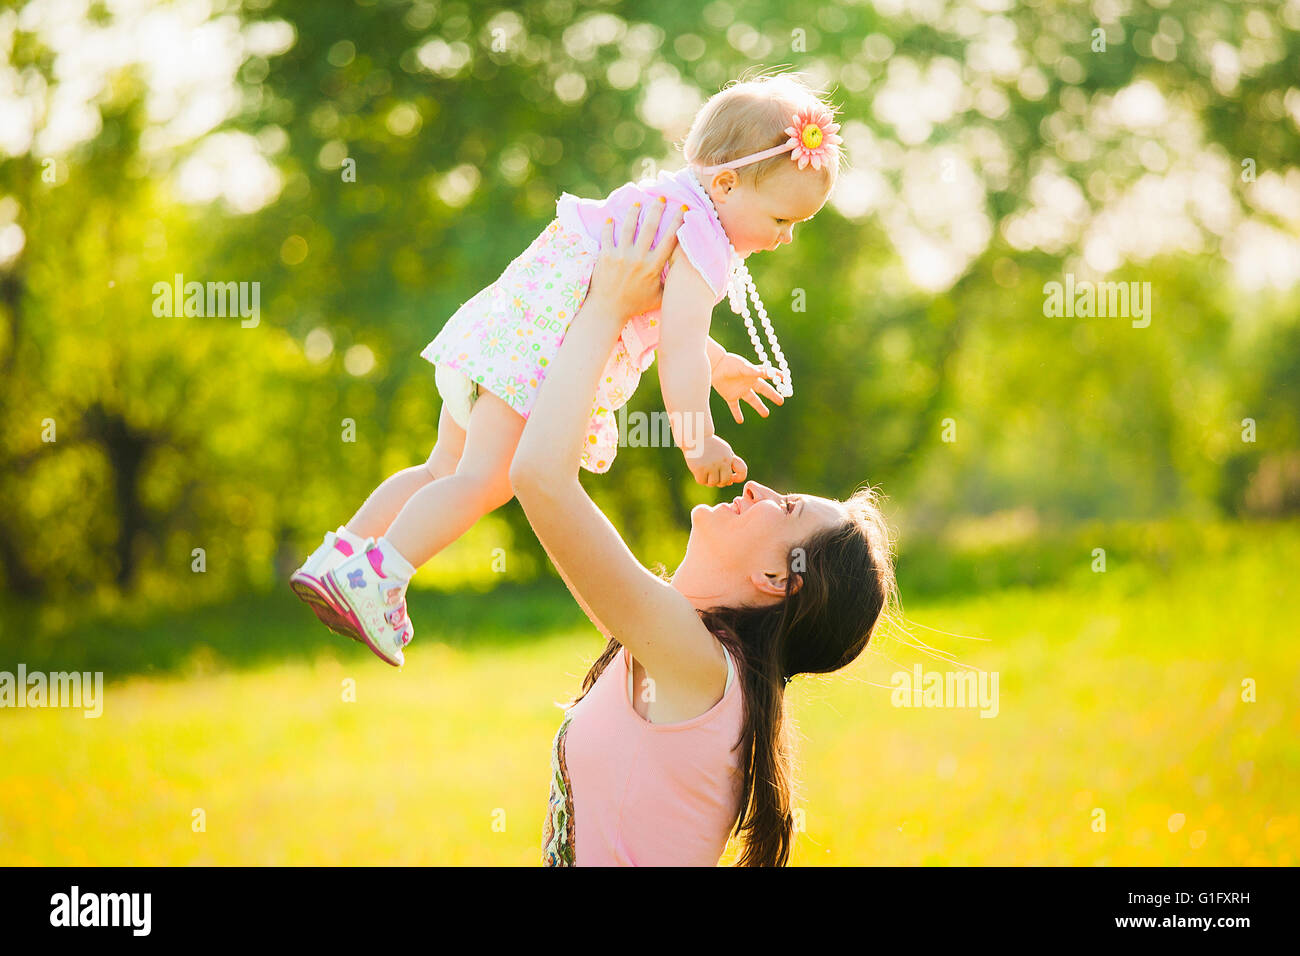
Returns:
(763,218)
(739,548)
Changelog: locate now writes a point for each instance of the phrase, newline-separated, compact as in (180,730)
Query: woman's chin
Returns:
(701,510)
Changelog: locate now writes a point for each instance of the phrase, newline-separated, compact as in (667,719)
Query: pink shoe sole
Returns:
(331,588)
(312,592)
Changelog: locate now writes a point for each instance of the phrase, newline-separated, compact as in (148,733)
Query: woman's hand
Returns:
(626,277)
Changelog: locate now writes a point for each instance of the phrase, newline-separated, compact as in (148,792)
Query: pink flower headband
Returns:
(811,137)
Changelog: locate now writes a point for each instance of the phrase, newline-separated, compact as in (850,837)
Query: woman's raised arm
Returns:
(623,598)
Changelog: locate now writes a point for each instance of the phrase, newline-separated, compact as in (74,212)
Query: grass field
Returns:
(1118,691)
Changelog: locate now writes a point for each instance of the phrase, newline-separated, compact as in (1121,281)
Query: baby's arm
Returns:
(685,371)
(716,352)
(686,311)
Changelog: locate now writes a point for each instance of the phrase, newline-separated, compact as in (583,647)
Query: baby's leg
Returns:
(442,511)
(373,518)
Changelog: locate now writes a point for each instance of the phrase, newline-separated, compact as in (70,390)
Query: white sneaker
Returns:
(373,603)
(308,583)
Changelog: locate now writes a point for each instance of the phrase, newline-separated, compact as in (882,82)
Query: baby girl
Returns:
(737,194)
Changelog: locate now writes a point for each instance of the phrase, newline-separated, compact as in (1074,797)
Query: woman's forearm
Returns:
(551,444)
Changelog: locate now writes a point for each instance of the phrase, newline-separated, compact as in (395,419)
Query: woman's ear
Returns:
(773,582)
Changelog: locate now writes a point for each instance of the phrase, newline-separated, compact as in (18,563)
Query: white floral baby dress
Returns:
(505,337)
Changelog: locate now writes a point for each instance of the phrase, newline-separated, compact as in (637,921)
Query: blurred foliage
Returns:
(182,433)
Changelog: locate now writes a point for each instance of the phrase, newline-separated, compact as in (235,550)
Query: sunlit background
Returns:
(1099,510)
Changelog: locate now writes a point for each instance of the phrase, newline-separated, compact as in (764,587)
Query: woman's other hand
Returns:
(627,271)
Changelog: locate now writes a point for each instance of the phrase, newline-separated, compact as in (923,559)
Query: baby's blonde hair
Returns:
(750,115)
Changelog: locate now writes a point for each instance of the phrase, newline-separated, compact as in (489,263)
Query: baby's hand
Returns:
(713,463)
(735,379)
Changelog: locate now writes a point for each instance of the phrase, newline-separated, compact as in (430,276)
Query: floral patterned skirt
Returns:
(557,831)
(505,338)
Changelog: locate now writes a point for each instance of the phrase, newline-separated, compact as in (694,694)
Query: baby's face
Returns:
(763,218)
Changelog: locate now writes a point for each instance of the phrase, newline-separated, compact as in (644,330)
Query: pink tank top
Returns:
(626,792)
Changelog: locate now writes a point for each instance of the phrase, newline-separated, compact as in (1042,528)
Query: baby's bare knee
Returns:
(492,490)
(502,495)
(446,454)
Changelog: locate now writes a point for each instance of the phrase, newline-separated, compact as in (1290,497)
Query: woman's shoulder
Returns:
(702,661)
(724,680)
(703,688)
(722,643)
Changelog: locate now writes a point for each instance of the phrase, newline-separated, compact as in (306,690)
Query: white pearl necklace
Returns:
(740,282)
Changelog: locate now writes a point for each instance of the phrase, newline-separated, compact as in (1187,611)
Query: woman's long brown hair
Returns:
(847,587)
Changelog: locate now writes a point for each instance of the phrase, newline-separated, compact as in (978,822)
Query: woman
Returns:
(678,737)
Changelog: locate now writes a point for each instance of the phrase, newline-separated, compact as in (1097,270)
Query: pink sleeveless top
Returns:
(626,792)
(700,236)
